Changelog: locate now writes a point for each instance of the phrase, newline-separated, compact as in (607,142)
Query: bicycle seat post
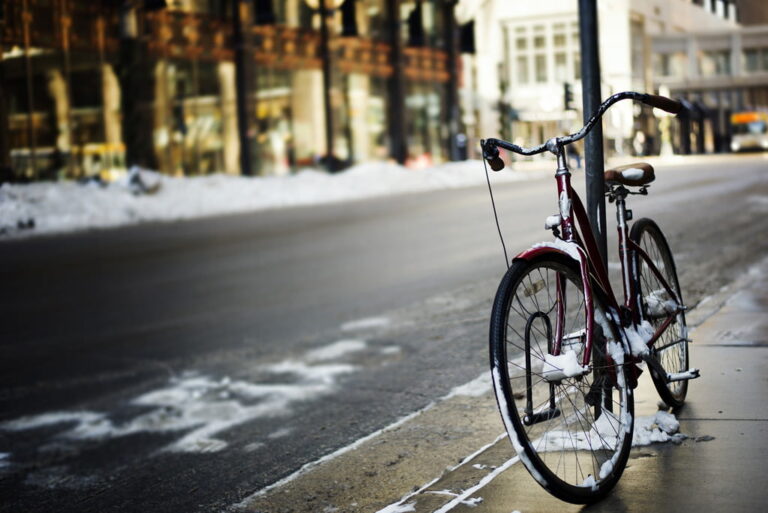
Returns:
(619,195)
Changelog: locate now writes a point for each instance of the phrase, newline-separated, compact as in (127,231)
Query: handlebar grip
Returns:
(491,155)
(496,163)
(663,103)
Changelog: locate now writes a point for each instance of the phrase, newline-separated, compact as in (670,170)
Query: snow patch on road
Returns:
(366,323)
(255,446)
(49,419)
(475,388)
(203,407)
(336,350)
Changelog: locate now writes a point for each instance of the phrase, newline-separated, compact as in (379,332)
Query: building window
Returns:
(755,60)
(561,67)
(558,37)
(541,68)
(575,35)
(638,49)
(577,66)
(522,70)
(715,63)
(670,64)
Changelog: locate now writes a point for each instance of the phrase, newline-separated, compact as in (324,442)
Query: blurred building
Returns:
(527,61)
(718,73)
(199,86)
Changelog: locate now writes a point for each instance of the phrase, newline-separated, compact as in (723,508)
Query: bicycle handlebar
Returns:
(491,147)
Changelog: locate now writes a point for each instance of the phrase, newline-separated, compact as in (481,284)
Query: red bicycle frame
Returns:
(578,235)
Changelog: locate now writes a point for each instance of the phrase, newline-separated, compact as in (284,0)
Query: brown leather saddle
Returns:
(637,174)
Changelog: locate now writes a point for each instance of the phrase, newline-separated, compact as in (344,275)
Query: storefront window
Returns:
(274,141)
(188,109)
(425,128)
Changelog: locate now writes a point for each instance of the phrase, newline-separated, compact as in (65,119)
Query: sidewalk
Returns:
(719,467)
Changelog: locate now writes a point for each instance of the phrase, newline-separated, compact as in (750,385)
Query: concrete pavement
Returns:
(450,457)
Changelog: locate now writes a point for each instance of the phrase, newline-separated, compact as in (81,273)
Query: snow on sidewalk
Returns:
(57,207)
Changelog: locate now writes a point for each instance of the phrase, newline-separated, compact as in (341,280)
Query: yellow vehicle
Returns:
(750,131)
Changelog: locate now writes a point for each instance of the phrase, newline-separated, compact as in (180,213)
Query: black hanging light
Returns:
(349,19)
(467,37)
(154,5)
(416,36)
(265,13)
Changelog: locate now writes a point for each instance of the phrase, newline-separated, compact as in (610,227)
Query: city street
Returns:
(192,366)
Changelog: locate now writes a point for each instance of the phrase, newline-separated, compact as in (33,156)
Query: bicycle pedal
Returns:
(683,376)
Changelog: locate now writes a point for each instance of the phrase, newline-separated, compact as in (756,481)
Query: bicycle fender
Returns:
(568,249)
(577,254)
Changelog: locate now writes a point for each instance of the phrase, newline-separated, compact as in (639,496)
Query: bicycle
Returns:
(564,353)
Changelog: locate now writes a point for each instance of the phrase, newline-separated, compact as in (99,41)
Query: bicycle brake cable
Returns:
(495,215)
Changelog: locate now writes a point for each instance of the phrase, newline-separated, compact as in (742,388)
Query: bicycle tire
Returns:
(572,456)
(673,356)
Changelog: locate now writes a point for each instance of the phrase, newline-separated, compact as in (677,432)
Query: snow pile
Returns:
(604,433)
(557,368)
(662,427)
(659,304)
(639,337)
(68,206)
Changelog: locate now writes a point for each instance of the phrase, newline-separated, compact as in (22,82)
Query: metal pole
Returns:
(31,139)
(591,98)
(398,148)
(452,94)
(326,56)
(5,146)
(66,22)
(242,61)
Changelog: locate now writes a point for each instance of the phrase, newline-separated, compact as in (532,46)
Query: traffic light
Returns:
(568,97)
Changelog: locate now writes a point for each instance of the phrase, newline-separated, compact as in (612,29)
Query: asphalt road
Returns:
(183,366)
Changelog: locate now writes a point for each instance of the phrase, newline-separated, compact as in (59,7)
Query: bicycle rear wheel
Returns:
(671,348)
(571,427)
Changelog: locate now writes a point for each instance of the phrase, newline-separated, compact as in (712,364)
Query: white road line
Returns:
(484,481)
(450,469)
(470,386)
(328,457)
